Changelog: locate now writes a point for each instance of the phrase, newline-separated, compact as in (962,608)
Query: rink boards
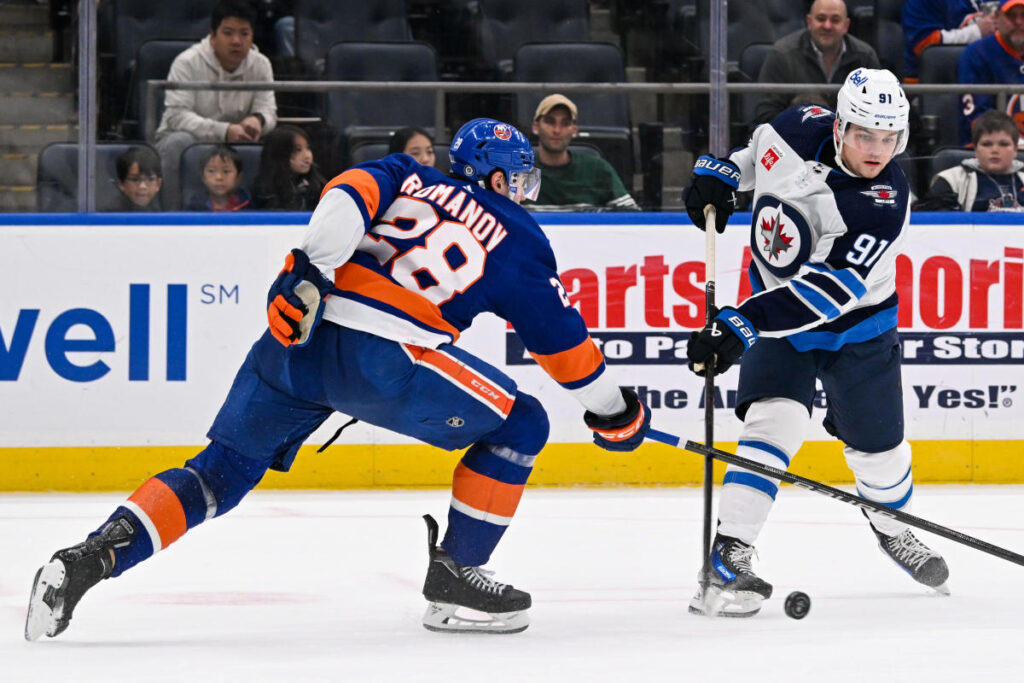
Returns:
(120,335)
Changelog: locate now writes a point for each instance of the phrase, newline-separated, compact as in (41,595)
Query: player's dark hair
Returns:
(402,136)
(147,159)
(993,122)
(225,152)
(239,9)
(276,180)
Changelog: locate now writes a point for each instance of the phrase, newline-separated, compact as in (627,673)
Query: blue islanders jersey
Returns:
(824,243)
(990,60)
(417,255)
(924,22)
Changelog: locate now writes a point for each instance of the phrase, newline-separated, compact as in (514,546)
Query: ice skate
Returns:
(61,583)
(451,587)
(733,590)
(922,563)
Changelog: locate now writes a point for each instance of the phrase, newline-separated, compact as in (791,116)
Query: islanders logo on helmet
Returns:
(502,132)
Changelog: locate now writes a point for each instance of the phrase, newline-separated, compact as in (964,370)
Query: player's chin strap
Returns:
(337,434)
(837,139)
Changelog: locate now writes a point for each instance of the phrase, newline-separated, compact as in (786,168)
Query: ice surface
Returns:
(326,587)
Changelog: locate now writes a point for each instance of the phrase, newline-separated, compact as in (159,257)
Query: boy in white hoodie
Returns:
(192,116)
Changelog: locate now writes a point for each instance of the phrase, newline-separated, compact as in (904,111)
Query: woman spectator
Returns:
(288,178)
(415,142)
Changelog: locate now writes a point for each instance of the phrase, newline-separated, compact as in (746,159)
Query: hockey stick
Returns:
(838,494)
(710,225)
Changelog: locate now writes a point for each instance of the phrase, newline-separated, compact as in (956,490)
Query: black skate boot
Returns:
(61,583)
(915,558)
(450,585)
(734,590)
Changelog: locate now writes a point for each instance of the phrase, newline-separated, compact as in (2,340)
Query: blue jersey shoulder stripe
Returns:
(852,281)
(828,285)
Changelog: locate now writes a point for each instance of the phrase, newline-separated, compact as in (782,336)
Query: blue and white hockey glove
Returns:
(726,338)
(622,432)
(714,181)
(295,300)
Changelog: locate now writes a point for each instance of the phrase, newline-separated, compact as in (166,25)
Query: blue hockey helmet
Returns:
(483,145)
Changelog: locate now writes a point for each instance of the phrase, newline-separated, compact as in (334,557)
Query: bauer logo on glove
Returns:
(295,300)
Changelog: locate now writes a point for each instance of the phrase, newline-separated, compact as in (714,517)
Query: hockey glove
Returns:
(295,301)
(726,338)
(622,432)
(714,181)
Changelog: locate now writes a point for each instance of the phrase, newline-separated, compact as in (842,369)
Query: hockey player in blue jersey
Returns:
(831,210)
(397,261)
(993,60)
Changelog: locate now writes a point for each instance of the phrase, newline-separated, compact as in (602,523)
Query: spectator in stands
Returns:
(221,170)
(139,179)
(820,53)
(289,179)
(191,116)
(567,179)
(415,142)
(942,22)
(992,181)
(995,59)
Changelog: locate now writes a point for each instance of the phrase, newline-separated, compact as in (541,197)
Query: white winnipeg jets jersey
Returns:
(824,243)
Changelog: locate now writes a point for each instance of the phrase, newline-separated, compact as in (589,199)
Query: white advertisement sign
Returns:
(131,335)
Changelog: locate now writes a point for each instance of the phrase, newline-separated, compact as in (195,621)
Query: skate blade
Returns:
(720,602)
(41,617)
(442,618)
(941,589)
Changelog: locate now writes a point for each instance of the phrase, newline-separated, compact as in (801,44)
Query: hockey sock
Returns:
(161,511)
(773,430)
(486,489)
(886,478)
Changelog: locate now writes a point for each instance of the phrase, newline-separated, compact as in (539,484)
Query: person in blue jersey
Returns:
(831,211)
(942,22)
(996,59)
(397,261)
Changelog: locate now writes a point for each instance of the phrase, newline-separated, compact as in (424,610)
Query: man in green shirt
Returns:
(572,181)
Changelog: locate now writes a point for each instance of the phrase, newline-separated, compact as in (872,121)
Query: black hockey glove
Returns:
(622,432)
(295,300)
(726,338)
(714,181)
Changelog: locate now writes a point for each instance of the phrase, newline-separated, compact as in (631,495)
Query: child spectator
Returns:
(288,179)
(221,171)
(992,181)
(139,179)
(415,142)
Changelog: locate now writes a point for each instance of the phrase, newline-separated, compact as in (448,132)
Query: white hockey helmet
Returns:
(873,99)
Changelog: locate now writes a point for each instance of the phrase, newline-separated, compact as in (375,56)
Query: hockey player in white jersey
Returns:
(831,210)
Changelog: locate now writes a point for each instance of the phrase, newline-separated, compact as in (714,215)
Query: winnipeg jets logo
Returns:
(502,132)
(883,195)
(780,237)
(813,112)
(774,239)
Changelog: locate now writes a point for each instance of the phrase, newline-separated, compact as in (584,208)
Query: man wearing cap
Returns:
(996,59)
(820,53)
(572,180)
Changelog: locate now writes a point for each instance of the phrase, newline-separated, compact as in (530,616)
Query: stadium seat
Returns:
(751,60)
(939,65)
(604,119)
(749,21)
(153,62)
(57,176)
(361,116)
(191,182)
(947,158)
(505,26)
(889,41)
(368,151)
(319,24)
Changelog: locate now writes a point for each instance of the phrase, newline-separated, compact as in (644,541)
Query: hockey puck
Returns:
(797,605)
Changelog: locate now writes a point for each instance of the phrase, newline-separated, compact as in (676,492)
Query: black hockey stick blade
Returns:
(838,494)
